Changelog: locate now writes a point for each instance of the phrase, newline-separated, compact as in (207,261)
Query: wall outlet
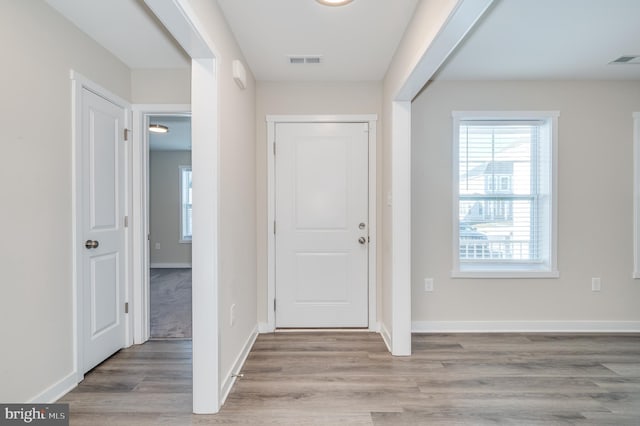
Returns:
(428,284)
(595,284)
(157,246)
(232,315)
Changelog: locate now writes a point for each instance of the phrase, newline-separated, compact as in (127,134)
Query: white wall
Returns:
(595,204)
(164,211)
(301,98)
(161,86)
(237,214)
(39,47)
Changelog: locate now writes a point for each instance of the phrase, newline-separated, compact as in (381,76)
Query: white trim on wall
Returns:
(56,391)
(401,225)
(636,195)
(169,266)
(525,326)
(182,22)
(371,119)
(229,381)
(461,20)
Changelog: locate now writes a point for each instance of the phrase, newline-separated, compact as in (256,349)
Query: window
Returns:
(185,204)
(504,191)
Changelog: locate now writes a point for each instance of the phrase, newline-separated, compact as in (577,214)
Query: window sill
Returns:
(185,241)
(505,274)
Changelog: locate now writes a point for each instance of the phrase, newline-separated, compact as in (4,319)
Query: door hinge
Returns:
(126,134)
(148,237)
(126,307)
(274,305)
(126,221)
(274,227)
(274,148)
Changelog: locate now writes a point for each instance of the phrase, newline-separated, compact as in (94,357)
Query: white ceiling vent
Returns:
(305,59)
(627,59)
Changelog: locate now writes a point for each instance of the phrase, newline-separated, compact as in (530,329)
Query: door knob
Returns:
(362,240)
(91,244)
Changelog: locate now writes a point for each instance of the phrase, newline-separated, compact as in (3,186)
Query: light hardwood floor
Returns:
(350,378)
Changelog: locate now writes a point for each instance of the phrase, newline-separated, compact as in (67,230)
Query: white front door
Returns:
(321,175)
(103,239)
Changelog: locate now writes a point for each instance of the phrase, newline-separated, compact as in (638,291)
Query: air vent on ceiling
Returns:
(627,59)
(316,59)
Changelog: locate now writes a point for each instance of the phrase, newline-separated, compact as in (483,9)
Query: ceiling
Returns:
(177,139)
(355,42)
(517,39)
(128,29)
(550,39)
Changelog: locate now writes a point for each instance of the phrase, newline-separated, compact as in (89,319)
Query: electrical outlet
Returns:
(157,246)
(428,284)
(232,315)
(595,284)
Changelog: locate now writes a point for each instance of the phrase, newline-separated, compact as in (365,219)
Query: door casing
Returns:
(371,119)
(140,212)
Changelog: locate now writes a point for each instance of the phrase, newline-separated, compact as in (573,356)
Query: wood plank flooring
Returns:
(351,379)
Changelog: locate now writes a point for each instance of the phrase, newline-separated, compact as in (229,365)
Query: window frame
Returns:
(184,239)
(493,268)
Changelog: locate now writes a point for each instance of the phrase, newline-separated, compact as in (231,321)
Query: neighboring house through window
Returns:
(185,205)
(505,194)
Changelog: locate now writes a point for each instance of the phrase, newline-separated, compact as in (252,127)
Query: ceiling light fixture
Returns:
(158,128)
(334,2)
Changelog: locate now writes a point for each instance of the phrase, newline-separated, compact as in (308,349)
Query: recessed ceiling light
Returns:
(334,2)
(158,128)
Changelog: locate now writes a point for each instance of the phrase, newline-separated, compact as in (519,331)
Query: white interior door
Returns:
(103,239)
(321,185)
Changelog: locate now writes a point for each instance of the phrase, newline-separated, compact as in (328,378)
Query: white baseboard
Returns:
(525,326)
(264,327)
(237,366)
(386,336)
(56,391)
(170,265)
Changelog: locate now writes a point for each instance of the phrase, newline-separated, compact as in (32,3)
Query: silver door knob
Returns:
(362,240)
(91,244)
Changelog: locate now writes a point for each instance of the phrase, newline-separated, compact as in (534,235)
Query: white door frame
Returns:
(272,120)
(140,212)
(78,83)
(181,21)
(462,19)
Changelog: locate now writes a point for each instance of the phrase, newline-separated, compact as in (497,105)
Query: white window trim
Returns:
(516,270)
(182,239)
(636,195)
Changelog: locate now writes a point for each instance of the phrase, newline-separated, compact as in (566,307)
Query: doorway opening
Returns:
(170,226)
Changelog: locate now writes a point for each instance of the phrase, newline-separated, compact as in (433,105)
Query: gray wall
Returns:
(595,204)
(164,208)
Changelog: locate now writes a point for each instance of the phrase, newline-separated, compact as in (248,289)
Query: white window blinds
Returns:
(504,194)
